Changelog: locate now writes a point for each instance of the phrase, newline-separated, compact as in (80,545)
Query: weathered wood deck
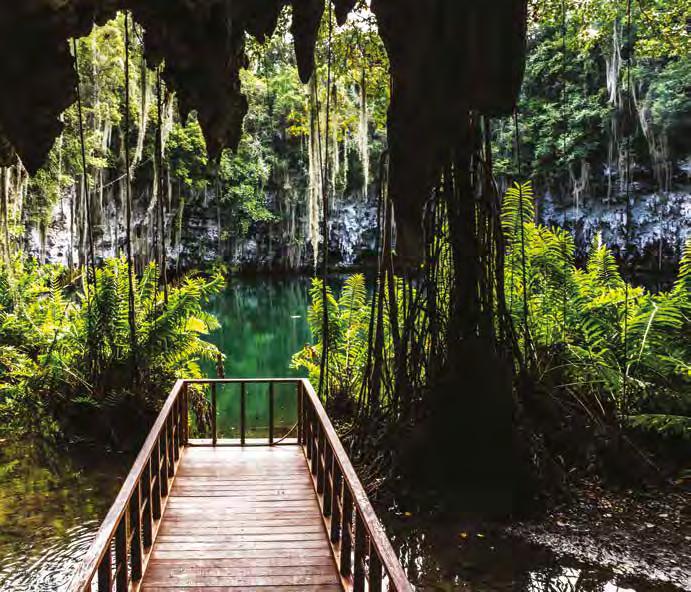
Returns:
(242,519)
(214,515)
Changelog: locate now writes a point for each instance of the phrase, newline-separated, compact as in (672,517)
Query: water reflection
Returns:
(51,504)
(263,323)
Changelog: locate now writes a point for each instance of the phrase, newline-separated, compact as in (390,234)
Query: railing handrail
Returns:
(389,559)
(293,380)
(97,561)
(101,543)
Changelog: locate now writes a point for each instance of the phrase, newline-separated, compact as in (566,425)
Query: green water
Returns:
(263,323)
(51,505)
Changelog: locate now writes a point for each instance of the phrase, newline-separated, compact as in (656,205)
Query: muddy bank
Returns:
(599,541)
(636,533)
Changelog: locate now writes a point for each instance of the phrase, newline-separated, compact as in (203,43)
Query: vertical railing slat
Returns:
(121,555)
(163,475)
(105,571)
(326,478)
(214,412)
(315,446)
(243,397)
(335,498)
(147,513)
(136,529)
(176,430)
(170,453)
(346,532)
(375,570)
(156,476)
(272,396)
(360,550)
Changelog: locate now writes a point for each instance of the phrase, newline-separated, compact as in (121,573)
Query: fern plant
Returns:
(619,347)
(348,335)
(68,360)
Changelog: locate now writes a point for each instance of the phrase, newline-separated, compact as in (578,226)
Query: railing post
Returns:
(271,413)
(214,429)
(243,396)
(121,536)
(346,532)
(147,512)
(105,571)
(298,393)
(335,496)
(360,550)
(136,526)
(375,575)
(185,415)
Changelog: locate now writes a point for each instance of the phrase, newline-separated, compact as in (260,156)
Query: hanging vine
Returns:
(128,205)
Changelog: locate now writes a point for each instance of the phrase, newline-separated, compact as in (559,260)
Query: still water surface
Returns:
(263,323)
(51,503)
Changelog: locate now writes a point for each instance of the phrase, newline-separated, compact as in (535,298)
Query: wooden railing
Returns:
(119,553)
(361,548)
(271,440)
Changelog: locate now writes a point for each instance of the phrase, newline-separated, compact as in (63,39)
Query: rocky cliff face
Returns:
(660,221)
(195,242)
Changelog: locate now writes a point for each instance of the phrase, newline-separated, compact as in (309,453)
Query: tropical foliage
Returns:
(619,352)
(67,361)
(617,348)
(348,335)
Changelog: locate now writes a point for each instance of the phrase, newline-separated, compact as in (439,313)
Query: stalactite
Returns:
(613,67)
(315,173)
(346,160)
(363,135)
(106,137)
(5,205)
(615,153)
(178,232)
(219,221)
(658,144)
(73,199)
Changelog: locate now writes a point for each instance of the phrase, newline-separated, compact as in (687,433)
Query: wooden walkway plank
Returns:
(258,517)
(242,519)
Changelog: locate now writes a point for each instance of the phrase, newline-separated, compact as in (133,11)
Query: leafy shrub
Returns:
(620,353)
(66,359)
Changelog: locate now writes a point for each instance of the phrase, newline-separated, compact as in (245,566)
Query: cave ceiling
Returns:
(448,57)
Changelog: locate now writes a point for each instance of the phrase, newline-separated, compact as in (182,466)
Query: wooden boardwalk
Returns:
(242,519)
(212,515)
